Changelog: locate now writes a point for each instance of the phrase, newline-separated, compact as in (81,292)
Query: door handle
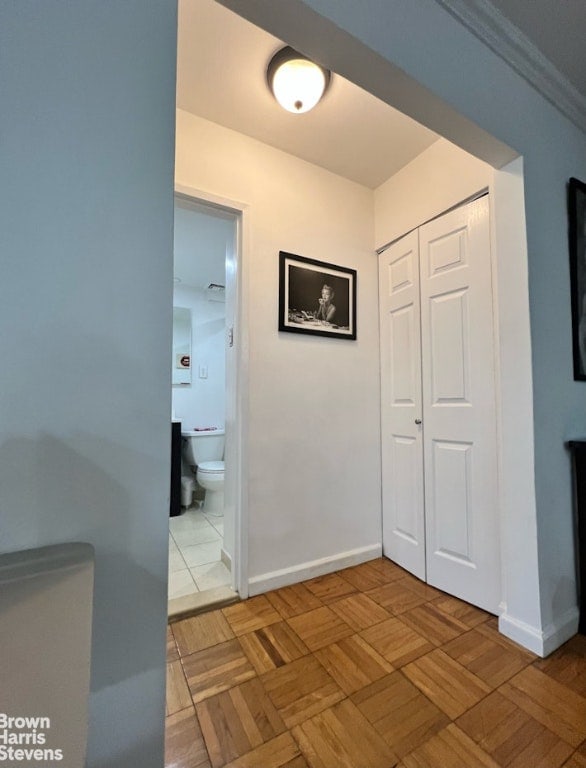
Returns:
(418,421)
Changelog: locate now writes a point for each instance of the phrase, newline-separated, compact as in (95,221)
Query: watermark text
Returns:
(25,738)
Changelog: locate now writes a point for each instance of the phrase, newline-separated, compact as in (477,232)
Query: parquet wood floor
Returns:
(367,668)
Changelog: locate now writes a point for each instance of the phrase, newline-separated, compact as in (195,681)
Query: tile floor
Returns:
(195,541)
(367,668)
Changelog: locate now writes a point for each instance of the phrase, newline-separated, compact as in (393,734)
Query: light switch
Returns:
(203,371)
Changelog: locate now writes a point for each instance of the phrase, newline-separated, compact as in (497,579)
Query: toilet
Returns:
(203,452)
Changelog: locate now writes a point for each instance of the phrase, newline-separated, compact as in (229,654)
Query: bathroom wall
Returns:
(203,403)
(313,450)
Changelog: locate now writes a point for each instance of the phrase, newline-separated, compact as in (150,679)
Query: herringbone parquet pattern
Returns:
(367,668)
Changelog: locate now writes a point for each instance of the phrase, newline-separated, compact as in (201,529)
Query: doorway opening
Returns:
(204,528)
(217,121)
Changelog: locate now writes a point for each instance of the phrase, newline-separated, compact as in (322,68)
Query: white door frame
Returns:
(236,478)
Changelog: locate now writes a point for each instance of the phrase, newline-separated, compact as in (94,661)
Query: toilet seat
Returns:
(211,467)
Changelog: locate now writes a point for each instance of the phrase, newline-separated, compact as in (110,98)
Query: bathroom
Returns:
(199,562)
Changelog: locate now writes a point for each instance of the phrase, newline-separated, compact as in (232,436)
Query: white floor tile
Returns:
(191,518)
(176,561)
(219,527)
(199,535)
(181,583)
(200,554)
(172,544)
(211,575)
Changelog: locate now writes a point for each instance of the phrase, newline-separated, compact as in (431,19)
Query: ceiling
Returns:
(221,76)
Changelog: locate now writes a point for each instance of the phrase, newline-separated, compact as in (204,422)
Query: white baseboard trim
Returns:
(564,628)
(226,559)
(287,576)
(541,641)
(526,635)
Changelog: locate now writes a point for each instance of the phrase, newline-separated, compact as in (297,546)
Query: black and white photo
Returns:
(577,219)
(316,297)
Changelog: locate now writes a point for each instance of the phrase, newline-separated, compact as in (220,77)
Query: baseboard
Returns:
(226,559)
(540,641)
(309,570)
(564,628)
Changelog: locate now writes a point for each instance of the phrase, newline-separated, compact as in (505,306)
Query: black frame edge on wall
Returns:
(304,285)
(577,243)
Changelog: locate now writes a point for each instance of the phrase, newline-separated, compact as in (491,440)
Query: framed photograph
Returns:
(316,297)
(577,217)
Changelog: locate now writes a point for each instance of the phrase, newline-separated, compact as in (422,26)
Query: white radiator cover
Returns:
(45,642)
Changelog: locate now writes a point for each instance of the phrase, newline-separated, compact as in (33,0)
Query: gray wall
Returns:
(87,89)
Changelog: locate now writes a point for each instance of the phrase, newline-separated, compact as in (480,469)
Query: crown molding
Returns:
(507,41)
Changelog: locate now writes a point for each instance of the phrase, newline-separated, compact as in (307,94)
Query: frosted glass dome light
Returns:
(296,82)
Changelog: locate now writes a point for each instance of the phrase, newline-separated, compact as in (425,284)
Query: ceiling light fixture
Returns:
(296,82)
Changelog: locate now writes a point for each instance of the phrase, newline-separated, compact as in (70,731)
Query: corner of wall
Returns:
(440,177)
(540,641)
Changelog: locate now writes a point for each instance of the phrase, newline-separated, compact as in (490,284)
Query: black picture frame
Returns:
(305,306)
(577,236)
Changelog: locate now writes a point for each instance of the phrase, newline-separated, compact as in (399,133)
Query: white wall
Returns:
(313,422)
(86,226)
(203,404)
(440,177)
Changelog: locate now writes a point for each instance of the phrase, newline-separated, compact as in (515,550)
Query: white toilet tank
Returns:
(203,445)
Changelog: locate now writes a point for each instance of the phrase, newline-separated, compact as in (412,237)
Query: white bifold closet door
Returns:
(440,494)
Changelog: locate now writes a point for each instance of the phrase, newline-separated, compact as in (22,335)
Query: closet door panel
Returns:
(402,451)
(451,485)
(459,413)
(450,363)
